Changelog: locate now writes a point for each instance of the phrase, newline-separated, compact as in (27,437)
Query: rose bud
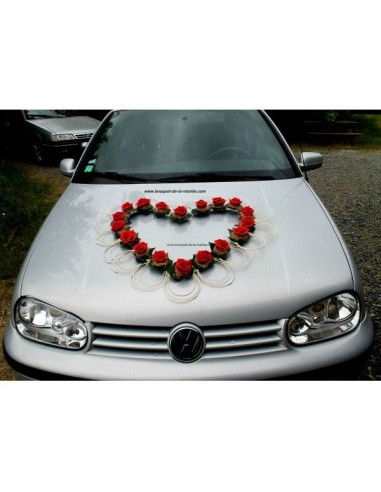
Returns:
(204,258)
(222,245)
(180,211)
(160,258)
(247,211)
(117,225)
(119,216)
(221,248)
(247,221)
(143,203)
(218,201)
(235,202)
(127,207)
(239,234)
(241,231)
(128,236)
(161,207)
(140,249)
(201,204)
(183,268)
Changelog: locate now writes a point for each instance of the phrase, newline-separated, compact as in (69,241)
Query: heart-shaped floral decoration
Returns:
(147,256)
(202,260)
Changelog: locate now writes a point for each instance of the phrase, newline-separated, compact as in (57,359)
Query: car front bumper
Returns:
(336,359)
(71,148)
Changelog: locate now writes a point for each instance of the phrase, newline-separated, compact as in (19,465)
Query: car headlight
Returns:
(329,318)
(63,136)
(43,323)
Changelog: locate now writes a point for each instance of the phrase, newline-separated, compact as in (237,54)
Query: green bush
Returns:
(370,127)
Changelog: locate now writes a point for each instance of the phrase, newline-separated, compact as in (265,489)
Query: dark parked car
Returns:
(46,134)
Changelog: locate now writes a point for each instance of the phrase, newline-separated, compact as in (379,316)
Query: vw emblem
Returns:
(186,343)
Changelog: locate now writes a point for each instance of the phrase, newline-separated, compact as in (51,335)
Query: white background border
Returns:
(189,436)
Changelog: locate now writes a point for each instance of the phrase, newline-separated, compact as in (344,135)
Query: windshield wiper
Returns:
(225,177)
(182,178)
(114,176)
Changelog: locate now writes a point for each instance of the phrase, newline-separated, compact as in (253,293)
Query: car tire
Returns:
(37,152)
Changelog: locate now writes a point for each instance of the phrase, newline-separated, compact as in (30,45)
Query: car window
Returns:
(185,146)
(32,114)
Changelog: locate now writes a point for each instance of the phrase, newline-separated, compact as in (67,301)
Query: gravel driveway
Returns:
(349,184)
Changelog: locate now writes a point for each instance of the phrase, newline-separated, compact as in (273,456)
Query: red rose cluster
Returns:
(182,268)
(241,233)
(247,221)
(218,203)
(235,203)
(180,214)
(144,204)
(180,211)
(204,258)
(160,258)
(128,237)
(140,249)
(127,207)
(220,248)
(161,209)
(202,206)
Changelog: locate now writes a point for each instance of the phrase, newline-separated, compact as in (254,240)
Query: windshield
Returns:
(169,146)
(32,114)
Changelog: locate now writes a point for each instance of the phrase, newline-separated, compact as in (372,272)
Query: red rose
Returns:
(204,258)
(119,216)
(160,257)
(161,206)
(247,211)
(222,245)
(143,202)
(127,206)
(236,202)
(180,211)
(128,236)
(247,221)
(201,204)
(183,267)
(117,225)
(241,231)
(218,201)
(140,249)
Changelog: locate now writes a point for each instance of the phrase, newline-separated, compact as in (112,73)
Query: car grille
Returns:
(226,341)
(83,136)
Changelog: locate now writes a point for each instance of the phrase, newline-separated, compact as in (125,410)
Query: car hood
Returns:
(302,263)
(70,124)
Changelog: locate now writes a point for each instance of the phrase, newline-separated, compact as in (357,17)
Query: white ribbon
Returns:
(100,242)
(142,284)
(227,279)
(180,298)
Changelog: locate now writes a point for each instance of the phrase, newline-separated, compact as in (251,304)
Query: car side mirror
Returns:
(67,167)
(310,161)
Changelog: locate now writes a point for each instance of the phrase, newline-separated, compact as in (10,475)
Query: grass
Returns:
(24,204)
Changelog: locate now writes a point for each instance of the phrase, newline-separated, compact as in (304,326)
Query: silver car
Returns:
(188,245)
